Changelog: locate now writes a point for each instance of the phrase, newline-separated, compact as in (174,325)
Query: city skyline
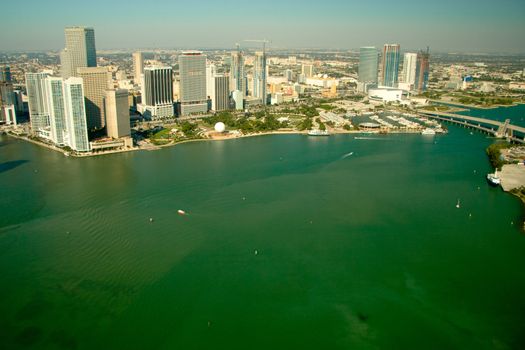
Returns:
(446,27)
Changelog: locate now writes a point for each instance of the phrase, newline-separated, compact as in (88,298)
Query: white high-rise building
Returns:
(211,72)
(37,101)
(76,115)
(192,67)
(259,77)
(57,111)
(157,92)
(80,50)
(409,68)
(138,67)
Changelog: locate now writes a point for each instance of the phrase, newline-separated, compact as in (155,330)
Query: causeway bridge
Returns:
(496,128)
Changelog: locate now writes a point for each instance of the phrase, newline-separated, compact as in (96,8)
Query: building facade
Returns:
(37,101)
(222,93)
(80,50)
(157,92)
(76,122)
(57,111)
(422,71)
(117,113)
(390,65)
(138,67)
(96,81)
(259,77)
(409,68)
(192,68)
(238,73)
(367,71)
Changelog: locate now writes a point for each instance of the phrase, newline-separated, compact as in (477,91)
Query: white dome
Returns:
(220,127)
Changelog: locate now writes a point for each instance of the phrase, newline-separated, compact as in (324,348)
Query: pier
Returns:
(496,128)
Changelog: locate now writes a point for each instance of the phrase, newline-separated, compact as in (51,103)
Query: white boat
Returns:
(181,212)
(318,132)
(428,131)
(494,179)
(457,204)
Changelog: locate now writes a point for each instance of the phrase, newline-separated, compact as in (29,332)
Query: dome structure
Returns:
(220,127)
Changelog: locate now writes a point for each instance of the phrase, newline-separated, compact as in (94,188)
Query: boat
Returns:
(181,212)
(494,179)
(318,132)
(428,131)
(457,204)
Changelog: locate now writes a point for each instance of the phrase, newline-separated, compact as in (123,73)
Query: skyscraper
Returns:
(157,92)
(237,72)
(211,72)
(5,74)
(138,67)
(117,113)
(76,122)
(259,77)
(307,70)
(422,70)
(96,81)
(221,100)
(37,101)
(57,111)
(192,67)
(409,68)
(390,64)
(80,50)
(368,61)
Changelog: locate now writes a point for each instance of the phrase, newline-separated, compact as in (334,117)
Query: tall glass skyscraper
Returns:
(192,68)
(390,65)
(422,70)
(76,115)
(368,62)
(409,68)
(37,101)
(57,111)
(80,50)
(237,73)
(259,77)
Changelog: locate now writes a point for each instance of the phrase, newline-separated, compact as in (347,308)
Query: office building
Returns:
(422,71)
(307,70)
(288,74)
(5,74)
(96,81)
(367,71)
(157,92)
(409,68)
(237,72)
(57,112)
(211,72)
(238,99)
(138,67)
(259,77)
(37,101)
(76,122)
(192,68)
(80,50)
(390,65)
(221,98)
(117,113)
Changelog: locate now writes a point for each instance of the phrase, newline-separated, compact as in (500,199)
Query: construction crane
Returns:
(263,41)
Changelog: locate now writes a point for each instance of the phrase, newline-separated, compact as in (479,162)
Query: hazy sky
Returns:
(444,25)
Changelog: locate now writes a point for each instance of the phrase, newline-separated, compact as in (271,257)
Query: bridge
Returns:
(499,129)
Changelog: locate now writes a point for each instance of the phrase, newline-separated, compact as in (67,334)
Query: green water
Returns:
(363,252)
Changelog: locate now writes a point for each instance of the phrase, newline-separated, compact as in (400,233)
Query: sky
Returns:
(444,25)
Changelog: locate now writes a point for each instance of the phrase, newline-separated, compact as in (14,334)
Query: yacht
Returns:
(428,131)
(494,179)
